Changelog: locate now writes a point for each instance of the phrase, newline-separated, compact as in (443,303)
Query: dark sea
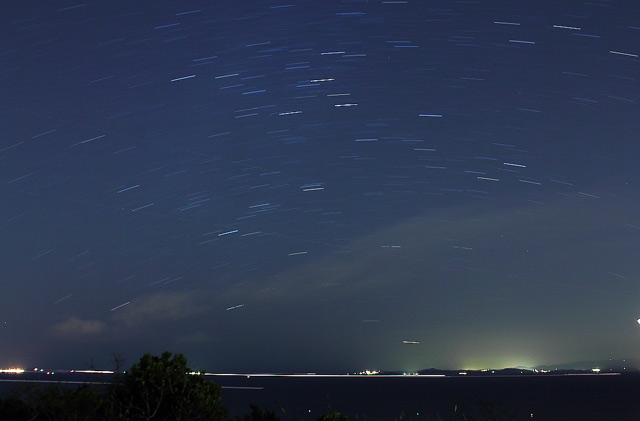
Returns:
(543,397)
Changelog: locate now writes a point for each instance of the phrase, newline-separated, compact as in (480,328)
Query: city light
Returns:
(12,370)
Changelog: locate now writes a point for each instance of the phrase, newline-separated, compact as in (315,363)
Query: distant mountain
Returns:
(608,365)
(611,364)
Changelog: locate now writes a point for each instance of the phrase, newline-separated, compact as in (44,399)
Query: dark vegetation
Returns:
(155,388)
(159,388)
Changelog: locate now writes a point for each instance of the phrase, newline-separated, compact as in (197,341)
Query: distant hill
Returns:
(617,365)
(608,365)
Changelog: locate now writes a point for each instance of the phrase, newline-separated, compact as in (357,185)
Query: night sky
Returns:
(275,186)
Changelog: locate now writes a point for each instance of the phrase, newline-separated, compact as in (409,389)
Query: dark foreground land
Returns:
(543,396)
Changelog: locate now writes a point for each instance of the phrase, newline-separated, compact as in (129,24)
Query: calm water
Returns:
(371,398)
(418,398)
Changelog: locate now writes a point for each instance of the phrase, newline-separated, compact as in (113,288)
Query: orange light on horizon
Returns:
(12,370)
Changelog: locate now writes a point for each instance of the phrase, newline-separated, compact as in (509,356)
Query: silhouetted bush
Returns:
(333,416)
(256,414)
(166,388)
(56,403)
(13,408)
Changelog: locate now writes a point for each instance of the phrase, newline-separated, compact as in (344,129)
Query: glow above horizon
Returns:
(303,188)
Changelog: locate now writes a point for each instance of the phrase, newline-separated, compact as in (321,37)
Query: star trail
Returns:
(303,186)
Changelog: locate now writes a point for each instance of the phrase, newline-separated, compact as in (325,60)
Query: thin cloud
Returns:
(164,306)
(75,327)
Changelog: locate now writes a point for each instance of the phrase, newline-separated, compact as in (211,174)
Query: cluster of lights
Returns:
(42,371)
(12,370)
(369,372)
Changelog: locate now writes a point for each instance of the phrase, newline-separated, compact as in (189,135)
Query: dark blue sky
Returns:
(275,186)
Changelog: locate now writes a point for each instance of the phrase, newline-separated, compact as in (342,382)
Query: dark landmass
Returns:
(580,367)
(509,372)
(608,365)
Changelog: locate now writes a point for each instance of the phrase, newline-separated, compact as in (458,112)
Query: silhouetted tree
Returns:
(256,414)
(56,403)
(12,408)
(333,416)
(166,388)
